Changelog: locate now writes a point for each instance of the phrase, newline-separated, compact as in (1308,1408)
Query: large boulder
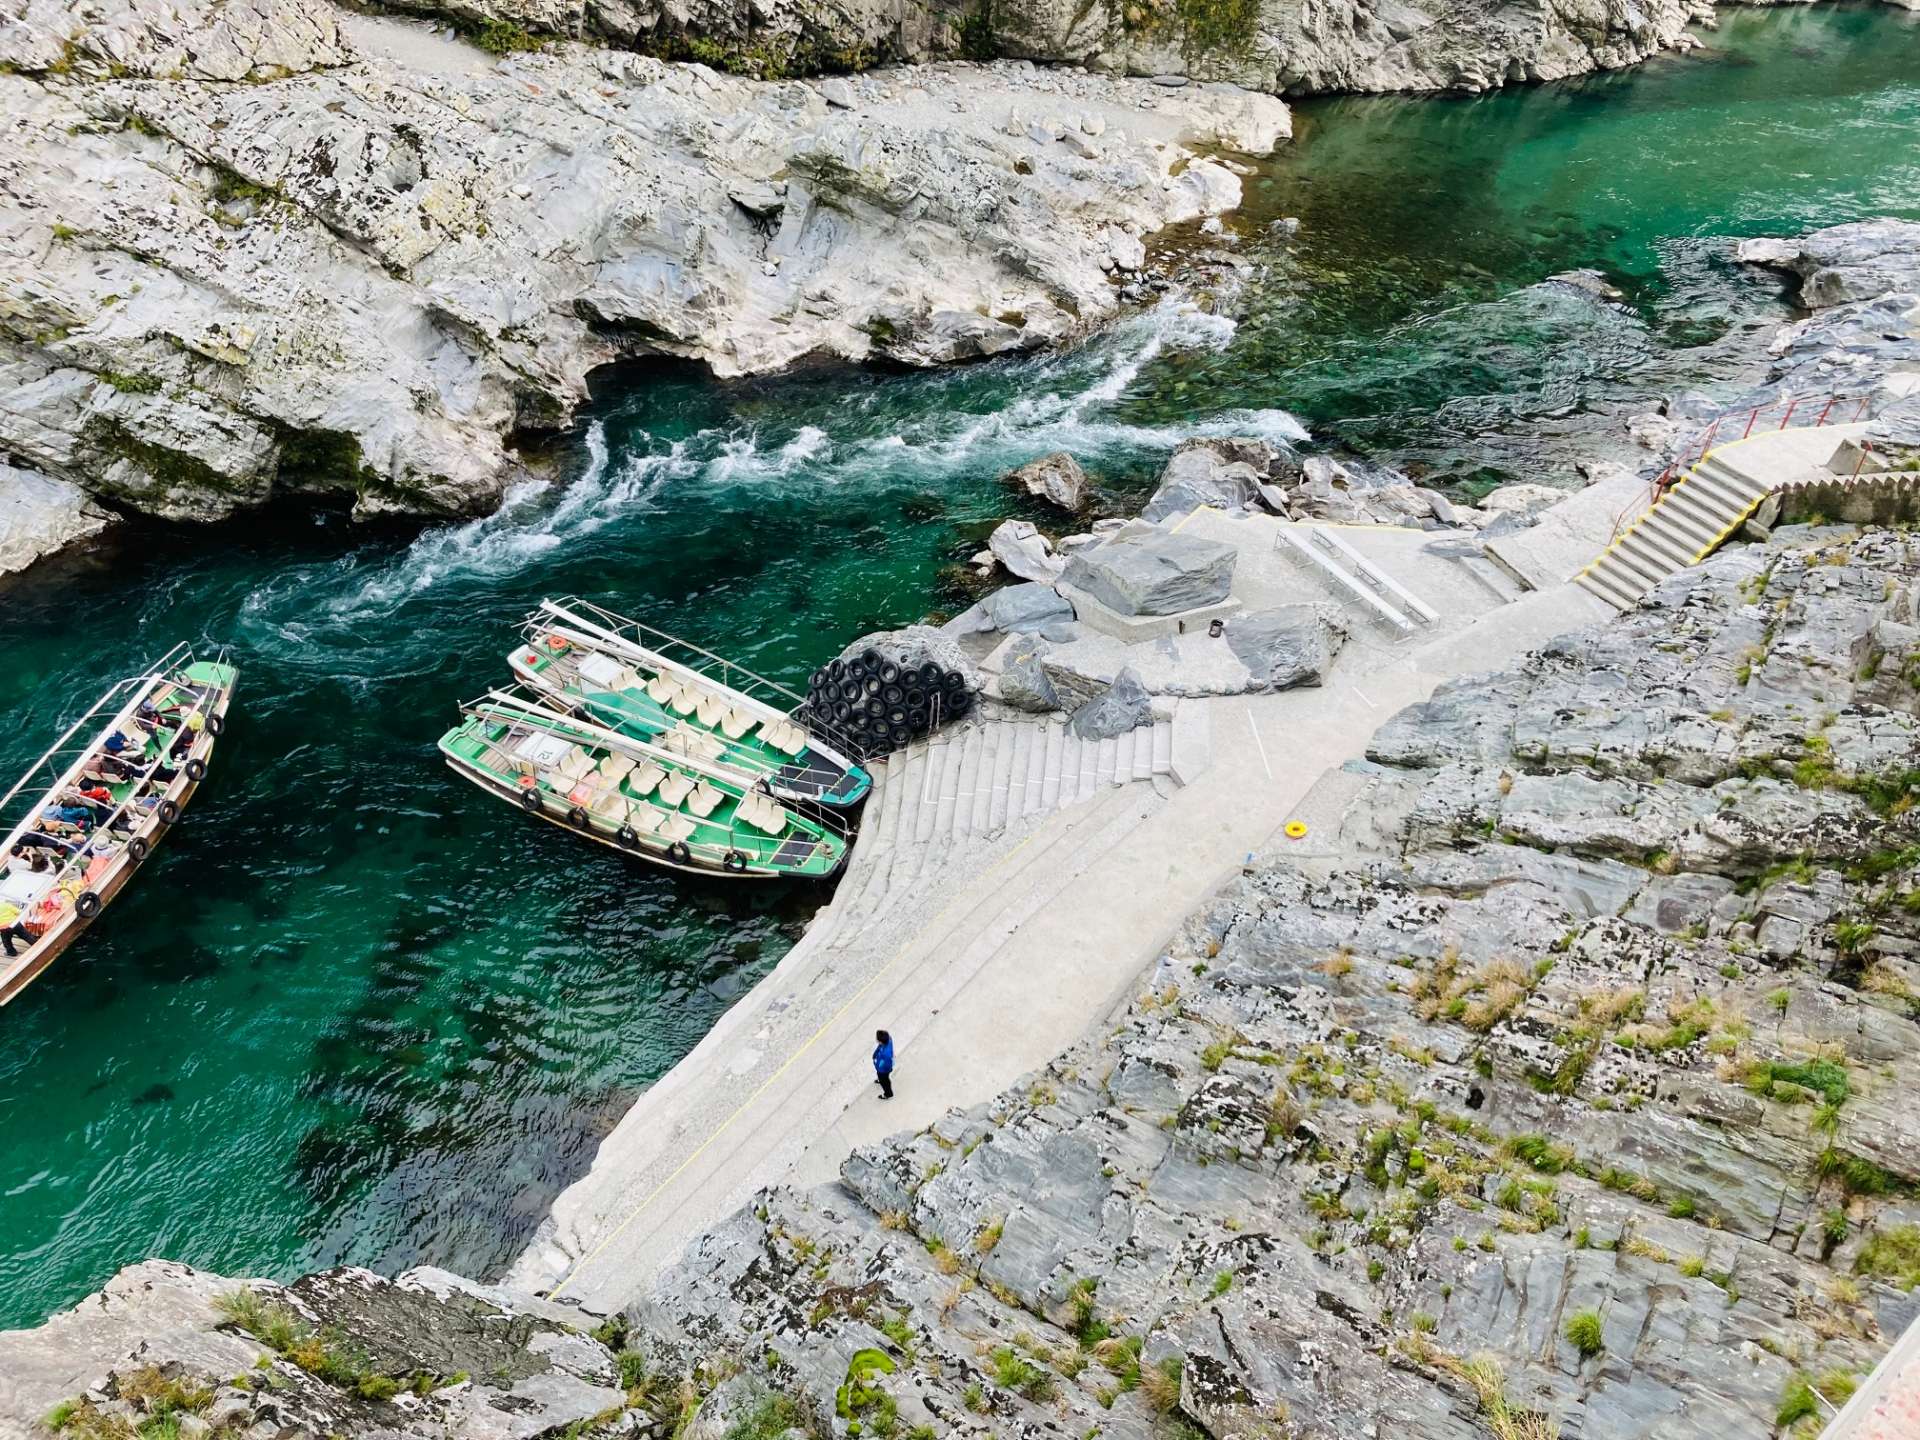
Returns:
(1023,678)
(1223,474)
(1056,479)
(1288,645)
(1144,571)
(1122,707)
(1022,550)
(1024,609)
(1859,261)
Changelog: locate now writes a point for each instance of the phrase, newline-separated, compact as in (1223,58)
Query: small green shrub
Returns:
(1585,1333)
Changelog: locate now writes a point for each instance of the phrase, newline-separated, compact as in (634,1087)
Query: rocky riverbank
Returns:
(253,250)
(1563,1085)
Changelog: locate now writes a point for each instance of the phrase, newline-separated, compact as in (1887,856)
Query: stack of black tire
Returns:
(875,705)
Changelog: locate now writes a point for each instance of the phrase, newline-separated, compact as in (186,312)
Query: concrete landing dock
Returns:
(1008,885)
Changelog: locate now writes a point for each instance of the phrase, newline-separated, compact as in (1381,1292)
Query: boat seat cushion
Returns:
(735,723)
(765,815)
(610,805)
(704,800)
(578,764)
(712,710)
(644,818)
(660,689)
(627,679)
(675,788)
(674,828)
(685,699)
(701,745)
(644,777)
(785,736)
(616,767)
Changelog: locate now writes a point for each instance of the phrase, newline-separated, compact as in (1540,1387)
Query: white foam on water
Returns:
(1060,401)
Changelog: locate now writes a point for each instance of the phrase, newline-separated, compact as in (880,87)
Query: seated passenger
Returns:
(77,816)
(38,839)
(11,929)
(25,859)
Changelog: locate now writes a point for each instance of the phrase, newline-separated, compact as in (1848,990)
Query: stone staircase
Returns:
(1706,505)
(1680,529)
(966,787)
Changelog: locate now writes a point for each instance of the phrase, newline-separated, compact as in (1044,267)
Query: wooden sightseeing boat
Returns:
(651,687)
(142,750)
(680,811)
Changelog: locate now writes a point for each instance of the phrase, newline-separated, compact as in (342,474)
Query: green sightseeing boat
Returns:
(671,809)
(648,686)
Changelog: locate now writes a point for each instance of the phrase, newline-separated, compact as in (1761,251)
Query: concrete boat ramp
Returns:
(1012,881)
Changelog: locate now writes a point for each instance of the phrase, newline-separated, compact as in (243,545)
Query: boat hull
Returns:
(650,854)
(72,925)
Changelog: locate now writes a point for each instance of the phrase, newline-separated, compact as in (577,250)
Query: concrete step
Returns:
(1162,747)
(1660,544)
(1043,736)
(935,818)
(1608,587)
(1053,775)
(1688,517)
(1106,761)
(1143,751)
(976,784)
(1012,758)
(1192,750)
(1637,567)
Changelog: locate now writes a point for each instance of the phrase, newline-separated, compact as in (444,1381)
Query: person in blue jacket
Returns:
(883,1063)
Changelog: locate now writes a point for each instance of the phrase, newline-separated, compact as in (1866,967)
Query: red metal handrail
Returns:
(1692,456)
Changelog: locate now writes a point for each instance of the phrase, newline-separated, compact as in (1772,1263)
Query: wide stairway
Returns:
(968,786)
(1705,506)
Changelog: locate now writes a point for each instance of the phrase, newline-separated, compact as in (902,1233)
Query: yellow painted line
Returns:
(747,1104)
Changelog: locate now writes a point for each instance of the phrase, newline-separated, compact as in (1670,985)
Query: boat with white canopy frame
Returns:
(92,808)
(670,809)
(650,686)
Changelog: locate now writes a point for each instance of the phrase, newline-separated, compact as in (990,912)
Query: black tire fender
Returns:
(530,798)
(196,769)
(577,817)
(139,847)
(628,837)
(216,724)
(87,906)
(169,812)
(679,852)
(735,861)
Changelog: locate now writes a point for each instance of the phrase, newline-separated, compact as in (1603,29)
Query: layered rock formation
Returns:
(1565,1086)
(363,267)
(39,516)
(1283,46)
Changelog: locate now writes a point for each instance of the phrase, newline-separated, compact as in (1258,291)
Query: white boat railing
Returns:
(512,709)
(83,850)
(650,646)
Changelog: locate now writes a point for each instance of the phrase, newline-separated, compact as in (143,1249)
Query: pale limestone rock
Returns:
(362,272)
(39,516)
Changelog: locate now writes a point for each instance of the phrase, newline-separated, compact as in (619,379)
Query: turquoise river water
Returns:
(354,1010)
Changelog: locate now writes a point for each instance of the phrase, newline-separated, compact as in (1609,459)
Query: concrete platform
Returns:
(1005,891)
